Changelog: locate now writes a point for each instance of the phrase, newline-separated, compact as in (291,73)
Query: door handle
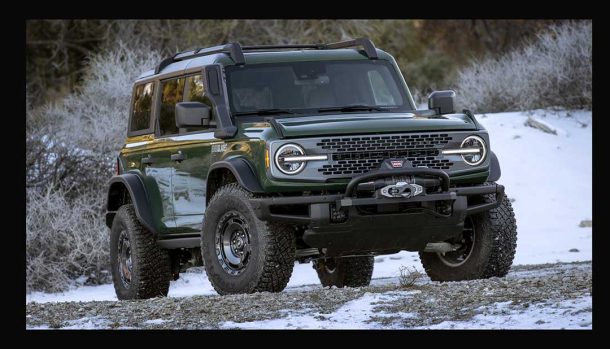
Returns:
(177,157)
(147,160)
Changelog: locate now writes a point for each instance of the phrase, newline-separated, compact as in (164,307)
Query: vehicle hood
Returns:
(370,123)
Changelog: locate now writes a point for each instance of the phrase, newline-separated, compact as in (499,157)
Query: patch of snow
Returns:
(154,322)
(567,314)
(355,314)
(79,294)
(86,323)
(550,178)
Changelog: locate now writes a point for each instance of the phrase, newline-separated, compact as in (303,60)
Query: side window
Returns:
(194,93)
(381,92)
(195,89)
(172,92)
(142,103)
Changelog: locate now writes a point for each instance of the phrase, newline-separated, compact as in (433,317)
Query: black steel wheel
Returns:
(124,259)
(242,254)
(233,248)
(466,241)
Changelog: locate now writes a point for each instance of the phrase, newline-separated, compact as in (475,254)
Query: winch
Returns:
(399,186)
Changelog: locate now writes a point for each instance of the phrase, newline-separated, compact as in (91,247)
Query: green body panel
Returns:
(157,179)
(179,187)
(189,183)
(371,123)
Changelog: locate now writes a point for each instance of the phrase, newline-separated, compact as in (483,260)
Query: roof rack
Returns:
(235,50)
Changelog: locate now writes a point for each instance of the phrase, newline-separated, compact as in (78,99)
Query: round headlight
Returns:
(283,161)
(477,145)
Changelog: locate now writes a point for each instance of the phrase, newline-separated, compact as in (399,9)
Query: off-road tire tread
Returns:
(350,272)
(501,224)
(154,266)
(281,247)
(504,225)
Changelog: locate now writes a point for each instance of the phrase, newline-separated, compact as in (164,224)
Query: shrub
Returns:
(70,152)
(554,70)
(408,276)
(65,239)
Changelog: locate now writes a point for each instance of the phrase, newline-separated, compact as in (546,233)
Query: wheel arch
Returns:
(494,168)
(232,170)
(129,188)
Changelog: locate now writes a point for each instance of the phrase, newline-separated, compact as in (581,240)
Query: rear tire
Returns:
(493,242)
(140,268)
(241,253)
(345,272)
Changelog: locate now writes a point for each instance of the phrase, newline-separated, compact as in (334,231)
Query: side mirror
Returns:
(442,102)
(189,114)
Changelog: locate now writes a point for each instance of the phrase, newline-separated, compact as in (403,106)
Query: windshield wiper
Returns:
(358,107)
(272,111)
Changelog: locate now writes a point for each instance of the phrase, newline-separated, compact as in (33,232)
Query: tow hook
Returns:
(401,190)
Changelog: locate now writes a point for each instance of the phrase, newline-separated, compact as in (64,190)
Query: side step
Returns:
(189,242)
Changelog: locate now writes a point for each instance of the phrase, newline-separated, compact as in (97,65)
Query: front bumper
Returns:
(380,232)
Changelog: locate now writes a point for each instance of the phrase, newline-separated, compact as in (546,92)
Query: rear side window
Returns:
(142,103)
(172,93)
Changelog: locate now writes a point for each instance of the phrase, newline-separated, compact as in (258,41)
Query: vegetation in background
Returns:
(428,52)
(71,147)
(79,76)
(554,70)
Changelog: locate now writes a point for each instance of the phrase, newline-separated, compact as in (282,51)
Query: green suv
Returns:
(248,158)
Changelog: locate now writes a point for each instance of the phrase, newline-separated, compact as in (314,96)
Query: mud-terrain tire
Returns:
(150,271)
(267,249)
(345,272)
(495,241)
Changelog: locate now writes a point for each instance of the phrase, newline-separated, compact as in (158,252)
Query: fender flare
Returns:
(243,172)
(494,168)
(139,198)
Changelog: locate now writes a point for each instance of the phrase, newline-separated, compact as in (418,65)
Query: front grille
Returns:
(373,143)
(357,155)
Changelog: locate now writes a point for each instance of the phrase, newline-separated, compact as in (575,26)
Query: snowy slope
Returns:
(547,175)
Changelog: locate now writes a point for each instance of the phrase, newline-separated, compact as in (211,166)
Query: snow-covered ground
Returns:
(549,177)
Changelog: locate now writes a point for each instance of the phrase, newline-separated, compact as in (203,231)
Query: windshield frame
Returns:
(407,105)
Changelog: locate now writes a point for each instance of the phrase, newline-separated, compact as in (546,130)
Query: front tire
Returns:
(140,268)
(241,253)
(345,272)
(488,247)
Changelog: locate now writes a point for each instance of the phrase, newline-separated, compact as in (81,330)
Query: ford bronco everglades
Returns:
(248,158)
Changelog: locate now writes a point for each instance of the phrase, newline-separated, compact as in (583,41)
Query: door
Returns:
(190,154)
(145,154)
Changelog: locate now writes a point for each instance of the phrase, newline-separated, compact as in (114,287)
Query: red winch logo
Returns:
(396,163)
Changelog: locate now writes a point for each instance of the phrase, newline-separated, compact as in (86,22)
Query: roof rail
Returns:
(235,50)
(274,47)
(366,43)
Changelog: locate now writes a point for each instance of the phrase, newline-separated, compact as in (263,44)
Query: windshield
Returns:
(315,87)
